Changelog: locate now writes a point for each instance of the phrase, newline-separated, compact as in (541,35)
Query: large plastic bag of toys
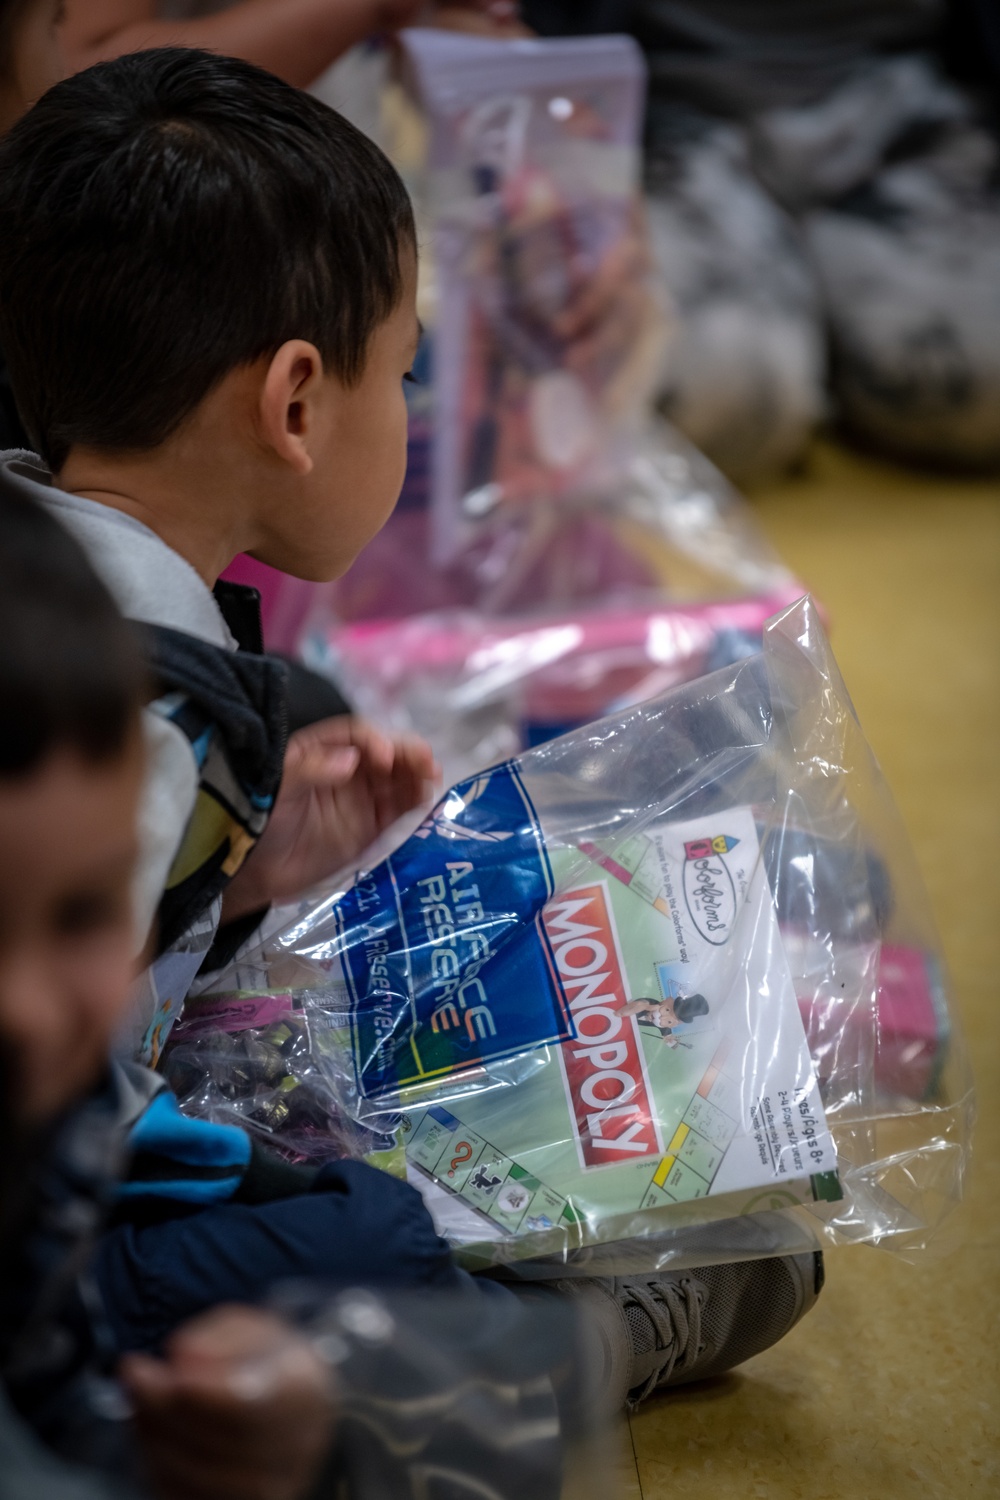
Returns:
(671,970)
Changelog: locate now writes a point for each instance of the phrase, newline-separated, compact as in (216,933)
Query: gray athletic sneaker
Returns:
(670,1327)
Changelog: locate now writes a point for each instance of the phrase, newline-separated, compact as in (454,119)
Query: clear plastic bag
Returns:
(275,1065)
(480,688)
(670,970)
(547,335)
(457,1394)
(555,616)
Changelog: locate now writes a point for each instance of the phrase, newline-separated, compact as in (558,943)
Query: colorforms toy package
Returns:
(668,963)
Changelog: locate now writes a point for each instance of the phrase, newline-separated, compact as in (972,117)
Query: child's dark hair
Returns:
(70,676)
(170,216)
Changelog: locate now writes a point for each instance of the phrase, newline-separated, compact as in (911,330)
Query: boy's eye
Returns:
(75,916)
(413,379)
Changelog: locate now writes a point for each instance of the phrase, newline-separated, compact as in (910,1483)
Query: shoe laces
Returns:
(674,1309)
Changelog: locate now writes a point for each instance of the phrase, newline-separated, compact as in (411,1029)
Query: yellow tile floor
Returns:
(890,1388)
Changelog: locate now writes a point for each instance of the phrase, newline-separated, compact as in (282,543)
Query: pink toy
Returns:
(564,668)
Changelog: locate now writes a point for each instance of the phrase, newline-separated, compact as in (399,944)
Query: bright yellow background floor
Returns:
(889,1389)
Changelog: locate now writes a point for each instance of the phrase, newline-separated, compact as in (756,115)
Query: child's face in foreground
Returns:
(67,851)
(36,60)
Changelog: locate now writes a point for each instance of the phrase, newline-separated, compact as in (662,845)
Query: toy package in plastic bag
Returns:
(671,969)
(548,332)
(274,1064)
(536,478)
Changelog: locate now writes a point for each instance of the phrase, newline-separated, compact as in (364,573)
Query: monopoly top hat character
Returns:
(664,1015)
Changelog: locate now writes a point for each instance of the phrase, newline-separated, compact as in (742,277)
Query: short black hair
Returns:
(70,671)
(173,215)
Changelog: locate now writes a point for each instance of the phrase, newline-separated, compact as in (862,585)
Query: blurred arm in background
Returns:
(297,39)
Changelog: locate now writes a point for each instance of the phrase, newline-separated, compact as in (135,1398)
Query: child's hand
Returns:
(240,1408)
(344,783)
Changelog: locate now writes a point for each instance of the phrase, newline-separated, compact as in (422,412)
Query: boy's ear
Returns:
(287,408)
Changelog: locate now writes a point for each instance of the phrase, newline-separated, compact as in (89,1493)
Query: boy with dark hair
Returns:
(71,766)
(242,337)
(207,288)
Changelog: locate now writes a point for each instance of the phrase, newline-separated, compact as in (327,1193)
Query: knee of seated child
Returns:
(358,1226)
